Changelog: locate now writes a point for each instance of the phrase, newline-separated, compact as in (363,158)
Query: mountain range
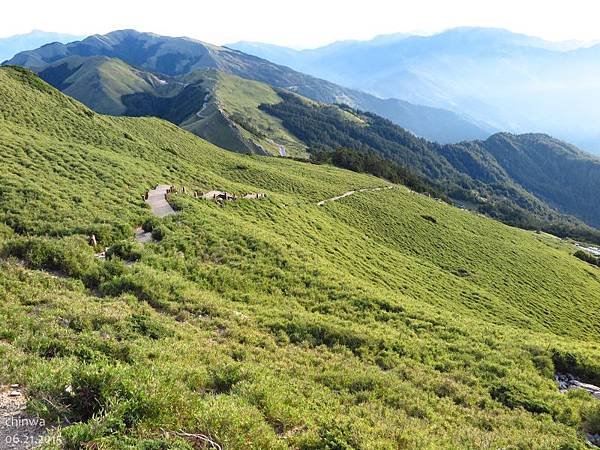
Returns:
(511,81)
(179,56)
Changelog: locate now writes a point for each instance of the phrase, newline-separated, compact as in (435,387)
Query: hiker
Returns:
(146,195)
(93,241)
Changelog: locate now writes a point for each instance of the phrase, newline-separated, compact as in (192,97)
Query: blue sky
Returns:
(305,23)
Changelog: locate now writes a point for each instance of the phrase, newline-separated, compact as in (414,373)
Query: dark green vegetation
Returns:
(370,162)
(498,176)
(276,323)
(173,57)
(584,256)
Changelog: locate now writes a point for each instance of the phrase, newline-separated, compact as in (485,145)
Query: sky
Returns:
(302,23)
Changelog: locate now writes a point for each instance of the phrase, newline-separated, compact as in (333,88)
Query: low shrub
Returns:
(71,255)
(590,259)
(159,233)
(544,365)
(150,224)
(591,418)
(126,250)
(514,396)
(576,364)
(222,379)
(321,333)
(149,327)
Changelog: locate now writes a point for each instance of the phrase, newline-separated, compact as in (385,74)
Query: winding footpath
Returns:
(349,193)
(158,202)
(160,208)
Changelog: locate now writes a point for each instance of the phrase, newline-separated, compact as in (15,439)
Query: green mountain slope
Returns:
(232,109)
(179,56)
(99,81)
(218,107)
(277,324)
(556,172)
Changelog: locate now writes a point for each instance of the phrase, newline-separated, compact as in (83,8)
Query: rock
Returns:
(14,386)
(14,394)
(594,439)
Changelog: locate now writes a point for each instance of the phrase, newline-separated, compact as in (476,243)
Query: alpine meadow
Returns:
(201,249)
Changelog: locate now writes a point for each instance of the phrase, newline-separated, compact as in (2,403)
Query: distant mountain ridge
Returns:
(12,45)
(179,56)
(512,81)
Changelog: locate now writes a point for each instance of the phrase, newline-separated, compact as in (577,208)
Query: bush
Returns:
(126,250)
(590,259)
(514,396)
(149,327)
(584,368)
(159,233)
(544,365)
(102,389)
(224,378)
(71,255)
(89,392)
(150,224)
(5,231)
(591,417)
(107,232)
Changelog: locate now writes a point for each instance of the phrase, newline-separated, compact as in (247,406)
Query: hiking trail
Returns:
(349,193)
(157,201)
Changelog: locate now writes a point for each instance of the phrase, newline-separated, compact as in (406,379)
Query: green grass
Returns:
(274,323)
(232,119)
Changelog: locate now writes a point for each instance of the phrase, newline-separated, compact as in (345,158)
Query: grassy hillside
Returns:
(231,117)
(98,81)
(559,173)
(383,320)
